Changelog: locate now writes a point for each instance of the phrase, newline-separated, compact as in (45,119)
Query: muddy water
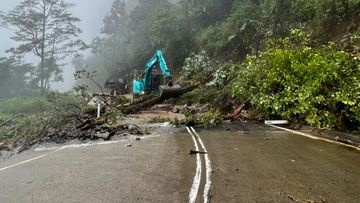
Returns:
(256,163)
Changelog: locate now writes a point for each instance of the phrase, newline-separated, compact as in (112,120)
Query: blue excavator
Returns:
(153,82)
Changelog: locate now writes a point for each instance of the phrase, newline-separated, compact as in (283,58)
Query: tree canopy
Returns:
(47,29)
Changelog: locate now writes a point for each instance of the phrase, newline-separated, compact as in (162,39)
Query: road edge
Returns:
(317,138)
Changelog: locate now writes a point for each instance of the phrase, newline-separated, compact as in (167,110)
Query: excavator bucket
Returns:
(167,91)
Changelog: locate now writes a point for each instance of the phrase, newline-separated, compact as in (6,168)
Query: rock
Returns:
(128,145)
(104,136)
(3,146)
(203,109)
(134,129)
(138,139)
(175,109)
(212,122)
(243,132)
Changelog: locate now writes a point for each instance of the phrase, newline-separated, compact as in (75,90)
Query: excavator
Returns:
(151,82)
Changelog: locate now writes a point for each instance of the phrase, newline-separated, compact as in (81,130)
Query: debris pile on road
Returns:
(88,130)
(91,130)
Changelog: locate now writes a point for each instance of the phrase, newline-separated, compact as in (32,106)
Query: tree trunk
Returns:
(42,71)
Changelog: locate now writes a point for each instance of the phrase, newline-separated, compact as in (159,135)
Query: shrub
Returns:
(210,119)
(297,82)
(159,120)
(198,67)
(223,75)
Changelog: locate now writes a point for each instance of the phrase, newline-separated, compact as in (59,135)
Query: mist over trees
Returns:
(225,29)
(217,39)
(14,76)
(46,29)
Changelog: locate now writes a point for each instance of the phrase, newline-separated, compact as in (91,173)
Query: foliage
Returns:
(15,77)
(84,74)
(235,36)
(40,116)
(175,122)
(223,75)
(109,51)
(298,82)
(159,120)
(18,105)
(4,116)
(67,107)
(300,75)
(47,29)
(209,119)
(227,30)
(198,67)
(201,96)
(113,114)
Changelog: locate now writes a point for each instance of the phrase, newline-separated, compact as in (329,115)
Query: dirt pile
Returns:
(88,131)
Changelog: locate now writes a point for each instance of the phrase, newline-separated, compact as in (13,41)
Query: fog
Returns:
(91,14)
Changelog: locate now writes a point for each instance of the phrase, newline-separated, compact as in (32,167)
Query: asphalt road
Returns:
(245,163)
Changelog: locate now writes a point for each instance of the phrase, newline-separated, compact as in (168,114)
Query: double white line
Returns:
(197,178)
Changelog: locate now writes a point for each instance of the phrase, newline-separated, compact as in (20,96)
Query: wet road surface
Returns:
(257,163)
(249,162)
(151,170)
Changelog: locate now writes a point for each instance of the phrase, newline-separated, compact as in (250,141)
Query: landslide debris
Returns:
(89,130)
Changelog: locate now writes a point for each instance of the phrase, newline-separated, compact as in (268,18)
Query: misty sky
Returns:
(91,13)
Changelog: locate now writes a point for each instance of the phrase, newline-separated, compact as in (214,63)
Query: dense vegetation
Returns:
(296,60)
(292,80)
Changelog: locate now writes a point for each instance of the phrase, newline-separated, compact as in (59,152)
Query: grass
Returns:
(23,105)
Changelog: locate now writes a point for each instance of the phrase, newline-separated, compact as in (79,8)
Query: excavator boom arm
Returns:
(145,85)
(157,58)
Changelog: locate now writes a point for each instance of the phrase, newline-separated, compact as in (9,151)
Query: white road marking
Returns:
(197,178)
(314,137)
(91,144)
(57,149)
(23,162)
(29,160)
(78,145)
(207,188)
